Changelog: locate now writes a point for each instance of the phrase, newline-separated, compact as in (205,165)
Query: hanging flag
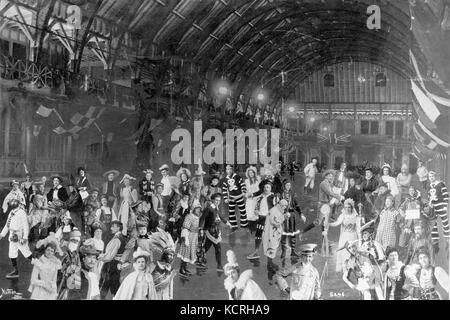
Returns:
(424,138)
(433,136)
(431,89)
(44,111)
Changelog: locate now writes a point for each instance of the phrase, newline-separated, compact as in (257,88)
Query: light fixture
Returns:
(223,90)
(312,119)
(361,78)
(260,96)
(325,129)
(291,109)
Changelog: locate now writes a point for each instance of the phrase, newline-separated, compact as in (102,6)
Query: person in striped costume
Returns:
(438,197)
(234,192)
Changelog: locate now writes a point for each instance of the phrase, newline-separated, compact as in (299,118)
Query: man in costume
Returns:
(85,284)
(291,226)
(359,274)
(305,280)
(162,271)
(438,199)
(83,184)
(71,263)
(75,206)
(240,286)
(310,175)
(15,193)
(58,192)
(110,276)
(18,229)
(147,187)
(264,203)
(111,189)
(233,191)
(210,225)
(271,237)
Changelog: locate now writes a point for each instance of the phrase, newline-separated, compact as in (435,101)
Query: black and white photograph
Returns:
(224,150)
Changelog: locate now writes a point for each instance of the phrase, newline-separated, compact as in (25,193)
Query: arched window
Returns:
(380,80)
(328,80)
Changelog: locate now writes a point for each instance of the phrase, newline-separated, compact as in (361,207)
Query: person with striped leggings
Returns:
(234,192)
(438,197)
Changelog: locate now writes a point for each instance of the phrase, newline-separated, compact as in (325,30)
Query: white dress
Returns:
(128,196)
(250,203)
(350,226)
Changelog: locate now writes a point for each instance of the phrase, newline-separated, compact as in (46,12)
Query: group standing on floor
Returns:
(121,241)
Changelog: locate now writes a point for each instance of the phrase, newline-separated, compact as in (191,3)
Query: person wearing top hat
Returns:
(15,193)
(18,229)
(128,196)
(82,183)
(305,280)
(240,286)
(57,192)
(111,188)
(85,284)
(147,186)
(75,205)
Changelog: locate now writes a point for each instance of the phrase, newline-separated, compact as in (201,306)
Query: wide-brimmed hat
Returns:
(308,248)
(56,176)
(89,250)
(148,171)
(51,238)
(370,229)
(116,173)
(183,170)
(251,168)
(135,204)
(56,205)
(127,176)
(15,182)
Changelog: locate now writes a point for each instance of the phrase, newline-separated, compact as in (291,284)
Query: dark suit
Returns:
(62,194)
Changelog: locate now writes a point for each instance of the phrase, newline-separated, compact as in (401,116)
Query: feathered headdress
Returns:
(162,242)
(51,238)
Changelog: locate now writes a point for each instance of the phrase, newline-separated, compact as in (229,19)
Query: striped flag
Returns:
(81,121)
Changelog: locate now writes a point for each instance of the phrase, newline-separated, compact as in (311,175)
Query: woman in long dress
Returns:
(189,240)
(386,231)
(350,223)
(128,195)
(252,184)
(45,270)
